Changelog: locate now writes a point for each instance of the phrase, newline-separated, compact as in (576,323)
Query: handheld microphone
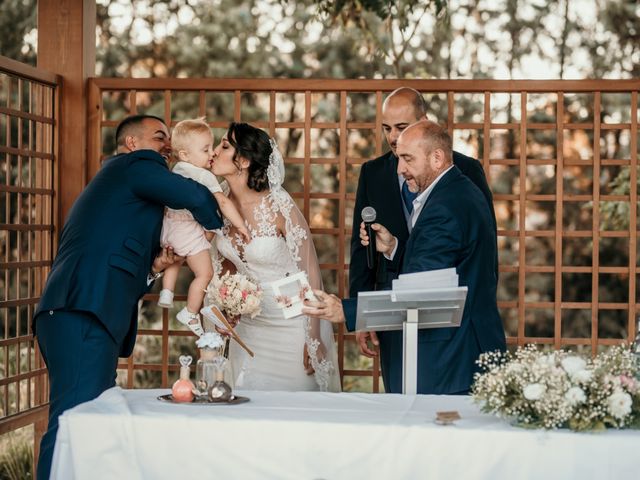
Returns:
(369,217)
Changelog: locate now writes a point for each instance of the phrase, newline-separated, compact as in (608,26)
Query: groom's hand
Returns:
(165,258)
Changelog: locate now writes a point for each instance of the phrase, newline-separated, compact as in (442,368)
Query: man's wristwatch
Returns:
(152,277)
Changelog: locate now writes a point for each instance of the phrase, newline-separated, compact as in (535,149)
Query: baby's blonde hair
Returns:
(183,130)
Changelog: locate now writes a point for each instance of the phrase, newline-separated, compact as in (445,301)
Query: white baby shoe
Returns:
(166,298)
(191,320)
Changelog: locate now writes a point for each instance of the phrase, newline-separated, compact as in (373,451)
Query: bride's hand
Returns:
(321,354)
(233,321)
(223,331)
(306,361)
(245,234)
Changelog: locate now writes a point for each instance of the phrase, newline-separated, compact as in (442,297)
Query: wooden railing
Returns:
(556,154)
(28,186)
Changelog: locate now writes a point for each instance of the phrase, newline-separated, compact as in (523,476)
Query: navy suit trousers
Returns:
(391,349)
(82,358)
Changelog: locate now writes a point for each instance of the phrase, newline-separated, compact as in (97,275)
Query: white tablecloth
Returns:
(129,435)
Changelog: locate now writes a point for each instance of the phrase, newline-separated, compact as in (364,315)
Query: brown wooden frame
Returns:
(31,99)
(450,88)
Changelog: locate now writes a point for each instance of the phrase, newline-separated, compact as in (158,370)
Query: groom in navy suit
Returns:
(108,257)
(381,187)
(451,228)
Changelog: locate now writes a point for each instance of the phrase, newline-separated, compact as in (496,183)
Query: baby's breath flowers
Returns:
(560,389)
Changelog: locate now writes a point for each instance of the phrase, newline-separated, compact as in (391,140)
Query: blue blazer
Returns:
(111,237)
(455,229)
(378,187)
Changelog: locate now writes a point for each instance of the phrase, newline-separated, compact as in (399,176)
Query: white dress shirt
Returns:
(418,205)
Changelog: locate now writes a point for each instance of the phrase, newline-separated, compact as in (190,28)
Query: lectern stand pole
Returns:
(410,349)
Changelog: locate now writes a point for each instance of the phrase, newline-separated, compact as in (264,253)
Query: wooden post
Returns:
(66,46)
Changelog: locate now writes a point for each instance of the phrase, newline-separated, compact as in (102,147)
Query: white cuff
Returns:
(393,252)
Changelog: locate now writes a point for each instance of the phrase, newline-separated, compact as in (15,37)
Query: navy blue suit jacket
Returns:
(111,237)
(378,187)
(454,229)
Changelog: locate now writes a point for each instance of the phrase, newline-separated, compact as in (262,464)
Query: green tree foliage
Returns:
(17,30)
(614,42)
(353,10)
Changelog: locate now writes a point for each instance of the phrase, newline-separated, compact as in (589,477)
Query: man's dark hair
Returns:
(414,96)
(435,136)
(127,126)
(419,103)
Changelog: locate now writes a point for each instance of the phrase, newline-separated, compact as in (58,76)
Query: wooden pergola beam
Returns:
(66,46)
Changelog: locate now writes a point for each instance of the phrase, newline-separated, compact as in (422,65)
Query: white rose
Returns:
(252,303)
(211,340)
(252,306)
(573,364)
(575,396)
(534,391)
(582,376)
(515,368)
(546,360)
(619,404)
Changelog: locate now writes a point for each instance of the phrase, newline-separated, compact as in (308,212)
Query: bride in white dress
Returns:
(294,354)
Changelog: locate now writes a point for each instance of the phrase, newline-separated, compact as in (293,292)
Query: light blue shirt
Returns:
(418,205)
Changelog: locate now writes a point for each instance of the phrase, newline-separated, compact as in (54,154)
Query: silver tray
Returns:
(234,400)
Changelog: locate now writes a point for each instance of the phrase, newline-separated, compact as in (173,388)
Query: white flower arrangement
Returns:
(235,294)
(561,389)
(210,340)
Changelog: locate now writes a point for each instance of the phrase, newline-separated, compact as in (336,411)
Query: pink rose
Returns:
(628,382)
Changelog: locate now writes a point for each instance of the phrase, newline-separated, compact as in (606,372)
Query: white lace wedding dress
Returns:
(278,343)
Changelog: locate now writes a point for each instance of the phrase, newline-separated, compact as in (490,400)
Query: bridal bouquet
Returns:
(560,389)
(235,294)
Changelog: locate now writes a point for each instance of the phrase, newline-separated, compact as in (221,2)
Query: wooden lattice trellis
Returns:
(28,213)
(578,136)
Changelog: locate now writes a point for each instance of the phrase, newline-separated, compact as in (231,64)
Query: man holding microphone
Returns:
(451,225)
(383,189)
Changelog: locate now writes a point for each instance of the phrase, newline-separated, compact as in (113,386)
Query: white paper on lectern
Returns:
(446,277)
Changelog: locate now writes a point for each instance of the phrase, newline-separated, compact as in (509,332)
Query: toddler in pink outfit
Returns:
(192,145)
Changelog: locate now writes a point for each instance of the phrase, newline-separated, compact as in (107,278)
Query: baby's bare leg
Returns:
(200,265)
(170,276)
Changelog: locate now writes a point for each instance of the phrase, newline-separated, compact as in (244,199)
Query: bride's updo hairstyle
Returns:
(253,144)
